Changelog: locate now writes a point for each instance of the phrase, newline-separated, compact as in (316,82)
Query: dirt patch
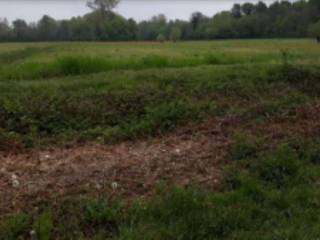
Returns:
(194,153)
(298,123)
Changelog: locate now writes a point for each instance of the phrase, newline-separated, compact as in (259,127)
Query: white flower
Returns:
(114,185)
(32,233)
(15,183)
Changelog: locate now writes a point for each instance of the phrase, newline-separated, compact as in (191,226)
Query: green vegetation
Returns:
(50,95)
(114,92)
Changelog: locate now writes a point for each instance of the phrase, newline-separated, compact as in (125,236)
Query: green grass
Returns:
(109,92)
(127,104)
(79,58)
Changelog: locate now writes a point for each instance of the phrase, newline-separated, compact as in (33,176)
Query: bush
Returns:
(155,61)
(102,214)
(161,38)
(75,65)
(243,148)
(280,169)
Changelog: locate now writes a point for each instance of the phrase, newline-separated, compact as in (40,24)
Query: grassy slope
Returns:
(270,187)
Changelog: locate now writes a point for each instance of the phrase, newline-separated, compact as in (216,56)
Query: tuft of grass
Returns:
(243,148)
(99,214)
(155,61)
(43,226)
(280,169)
(77,65)
(219,59)
(15,227)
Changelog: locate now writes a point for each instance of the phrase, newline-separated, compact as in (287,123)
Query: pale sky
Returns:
(33,10)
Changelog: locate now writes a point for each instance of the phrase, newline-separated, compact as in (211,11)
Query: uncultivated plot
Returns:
(187,140)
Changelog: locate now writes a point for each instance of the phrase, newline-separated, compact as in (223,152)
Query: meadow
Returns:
(260,96)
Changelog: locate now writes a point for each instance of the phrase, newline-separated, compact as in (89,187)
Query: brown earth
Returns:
(195,153)
(189,154)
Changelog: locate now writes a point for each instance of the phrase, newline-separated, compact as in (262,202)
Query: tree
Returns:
(236,11)
(4,30)
(175,34)
(47,28)
(314,30)
(102,5)
(261,7)
(247,8)
(64,30)
(280,19)
(21,30)
(196,19)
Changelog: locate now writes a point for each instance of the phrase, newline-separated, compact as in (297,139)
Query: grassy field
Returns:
(262,96)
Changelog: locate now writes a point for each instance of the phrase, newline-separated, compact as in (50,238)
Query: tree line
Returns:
(248,20)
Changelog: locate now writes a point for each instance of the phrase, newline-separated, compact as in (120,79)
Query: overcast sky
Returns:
(33,10)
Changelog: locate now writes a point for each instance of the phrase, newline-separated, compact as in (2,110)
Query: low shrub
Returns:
(243,148)
(280,169)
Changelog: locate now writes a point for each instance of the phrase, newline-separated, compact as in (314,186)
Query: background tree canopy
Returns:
(280,19)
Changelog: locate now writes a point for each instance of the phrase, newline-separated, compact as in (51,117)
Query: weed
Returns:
(43,226)
(155,61)
(279,169)
(14,227)
(243,148)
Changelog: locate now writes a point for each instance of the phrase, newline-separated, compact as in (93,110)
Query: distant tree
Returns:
(64,31)
(247,8)
(47,28)
(149,30)
(223,25)
(82,29)
(21,31)
(159,19)
(261,7)
(102,5)
(236,10)
(314,30)
(314,10)
(280,19)
(175,34)
(196,19)
(132,29)
(4,30)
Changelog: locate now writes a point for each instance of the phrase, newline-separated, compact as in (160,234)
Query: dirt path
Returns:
(190,154)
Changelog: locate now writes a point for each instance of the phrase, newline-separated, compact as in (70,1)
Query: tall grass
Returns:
(79,65)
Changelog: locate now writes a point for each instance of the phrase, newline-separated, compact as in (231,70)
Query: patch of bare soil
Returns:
(299,123)
(195,153)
